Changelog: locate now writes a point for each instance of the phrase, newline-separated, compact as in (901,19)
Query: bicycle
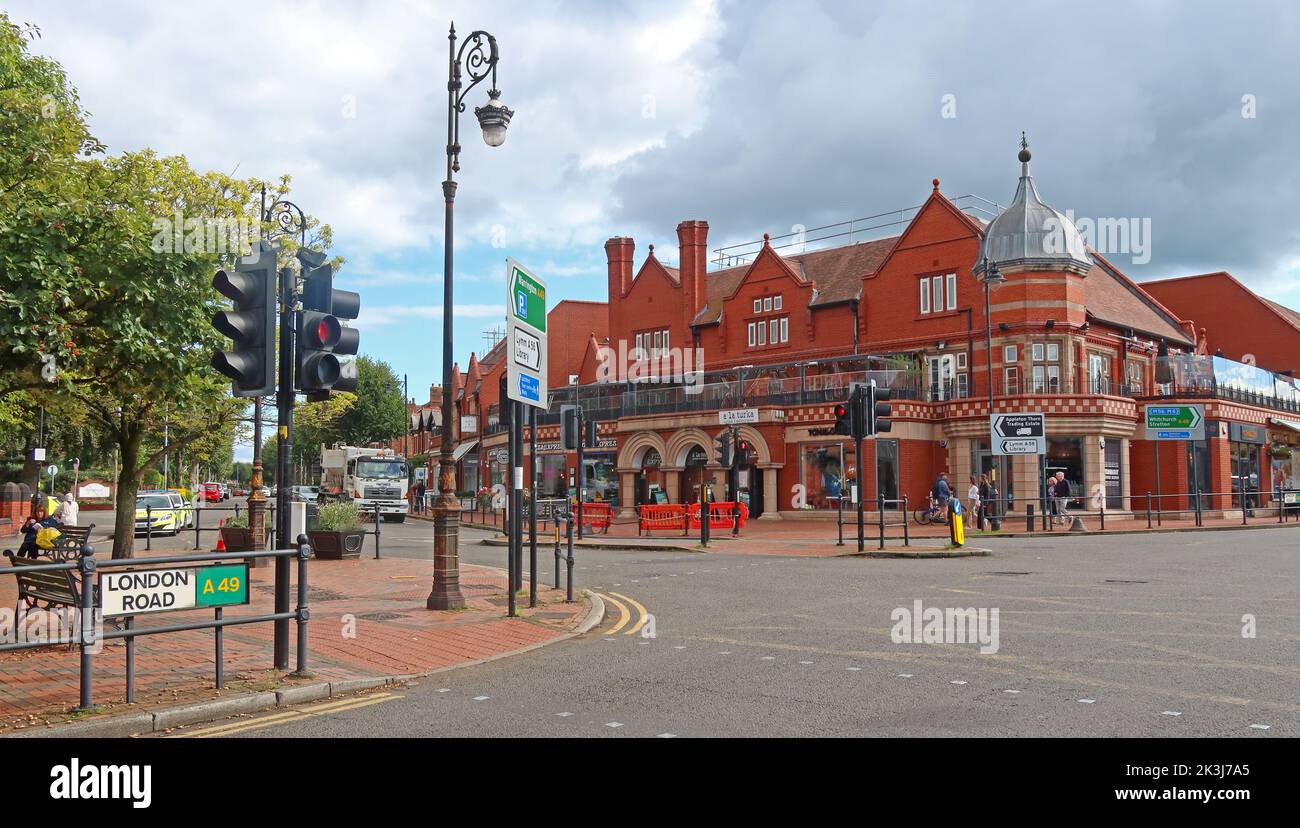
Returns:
(924,516)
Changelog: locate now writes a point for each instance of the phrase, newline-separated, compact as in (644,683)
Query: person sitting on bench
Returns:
(39,519)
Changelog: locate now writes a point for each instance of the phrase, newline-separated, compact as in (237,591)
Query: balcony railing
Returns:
(797,384)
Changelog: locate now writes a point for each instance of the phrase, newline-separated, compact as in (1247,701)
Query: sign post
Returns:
(1175,422)
(525,386)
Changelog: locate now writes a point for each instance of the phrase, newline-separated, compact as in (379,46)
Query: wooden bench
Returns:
(50,587)
(67,546)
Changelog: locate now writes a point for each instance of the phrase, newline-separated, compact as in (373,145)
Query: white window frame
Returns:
(665,339)
(659,341)
(936,288)
(952,291)
(1010,354)
(925,294)
(639,341)
(1011,379)
(776,302)
(774,331)
(1053,352)
(962,389)
(961,360)
(767,304)
(785,329)
(753,337)
(1038,352)
(758,306)
(762,333)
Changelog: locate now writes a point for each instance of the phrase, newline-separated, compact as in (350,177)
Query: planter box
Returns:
(240,539)
(337,546)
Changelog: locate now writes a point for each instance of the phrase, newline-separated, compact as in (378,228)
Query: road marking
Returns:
(904,675)
(666,736)
(613,724)
(1087,701)
(767,658)
(805,662)
(482,698)
(958,681)
(623,615)
(644,615)
(853,669)
(322,709)
(1012,692)
(564,715)
(679,646)
(725,652)
(444,689)
(1170,713)
(1260,727)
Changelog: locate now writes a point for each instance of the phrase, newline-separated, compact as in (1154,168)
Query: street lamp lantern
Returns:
(992,276)
(493,118)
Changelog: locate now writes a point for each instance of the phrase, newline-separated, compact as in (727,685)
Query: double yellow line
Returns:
(624,615)
(322,709)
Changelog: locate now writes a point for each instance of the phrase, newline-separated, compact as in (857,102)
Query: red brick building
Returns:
(784,334)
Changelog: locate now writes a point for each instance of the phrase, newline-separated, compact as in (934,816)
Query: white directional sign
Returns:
(1023,432)
(736,416)
(525,336)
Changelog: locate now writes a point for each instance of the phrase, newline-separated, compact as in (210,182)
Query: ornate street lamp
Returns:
(992,278)
(471,65)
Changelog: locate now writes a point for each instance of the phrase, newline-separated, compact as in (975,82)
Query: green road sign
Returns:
(528,299)
(1175,422)
(221,586)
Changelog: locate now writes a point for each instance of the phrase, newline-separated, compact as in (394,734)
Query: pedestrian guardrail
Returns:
(121,590)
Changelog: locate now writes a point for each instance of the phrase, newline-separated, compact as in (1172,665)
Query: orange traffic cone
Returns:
(221,542)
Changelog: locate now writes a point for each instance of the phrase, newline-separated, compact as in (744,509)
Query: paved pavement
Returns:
(368,618)
(1176,635)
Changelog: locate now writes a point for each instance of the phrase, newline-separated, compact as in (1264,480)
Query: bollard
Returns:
(218,637)
(86,564)
(1148,510)
(907,538)
(557,551)
(148,527)
(569,591)
(304,614)
(1029,517)
(839,518)
(376,531)
(1103,513)
(198,516)
(880,507)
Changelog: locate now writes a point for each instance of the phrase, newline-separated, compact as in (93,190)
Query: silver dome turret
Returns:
(1030,235)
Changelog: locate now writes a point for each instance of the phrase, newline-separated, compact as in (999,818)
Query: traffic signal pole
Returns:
(284,450)
(532,506)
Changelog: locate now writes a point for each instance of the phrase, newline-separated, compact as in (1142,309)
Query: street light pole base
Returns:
(446,594)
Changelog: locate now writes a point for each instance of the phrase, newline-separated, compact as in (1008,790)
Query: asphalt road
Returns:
(1120,636)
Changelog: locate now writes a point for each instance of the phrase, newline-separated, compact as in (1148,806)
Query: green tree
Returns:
(379,414)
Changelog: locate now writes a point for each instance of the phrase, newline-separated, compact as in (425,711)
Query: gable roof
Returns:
(836,274)
(1289,316)
(1112,297)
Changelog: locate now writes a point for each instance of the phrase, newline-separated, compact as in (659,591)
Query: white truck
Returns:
(368,477)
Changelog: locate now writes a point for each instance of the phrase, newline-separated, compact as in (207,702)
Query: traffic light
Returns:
(505,405)
(878,410)
(722,449)
(570,426)
(843,419)
(250,324)
(740,456)
(326,347)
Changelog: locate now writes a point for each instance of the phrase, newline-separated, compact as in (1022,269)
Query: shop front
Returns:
(1284,454)
(1246,447)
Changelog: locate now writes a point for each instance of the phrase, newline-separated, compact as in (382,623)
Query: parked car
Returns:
(214,492)
(162,512)
(307,494)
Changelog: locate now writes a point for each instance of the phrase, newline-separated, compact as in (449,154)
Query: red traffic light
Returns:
(841,410)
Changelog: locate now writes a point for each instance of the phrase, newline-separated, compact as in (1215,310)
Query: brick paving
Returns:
(367,619)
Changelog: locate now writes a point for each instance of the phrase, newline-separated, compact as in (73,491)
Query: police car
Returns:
(165,509)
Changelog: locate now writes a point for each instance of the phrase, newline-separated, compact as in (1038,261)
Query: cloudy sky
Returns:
(756,116)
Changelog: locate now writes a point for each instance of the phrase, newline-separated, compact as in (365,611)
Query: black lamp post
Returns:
(471,65)
(992,278)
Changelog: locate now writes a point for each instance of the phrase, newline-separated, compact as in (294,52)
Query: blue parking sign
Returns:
(529,388)
(521,304)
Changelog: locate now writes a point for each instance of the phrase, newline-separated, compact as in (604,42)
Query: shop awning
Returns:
(463,449)
(1291,424)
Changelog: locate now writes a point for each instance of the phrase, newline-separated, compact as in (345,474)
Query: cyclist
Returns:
(941,491)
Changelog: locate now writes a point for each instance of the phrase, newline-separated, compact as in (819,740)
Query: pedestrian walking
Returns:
(941,492)
(67,512)
(419,497)
(1061,493)
(986,501)
(973,503)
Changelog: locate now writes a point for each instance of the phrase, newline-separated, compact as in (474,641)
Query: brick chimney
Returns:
(692,243)
(618,255)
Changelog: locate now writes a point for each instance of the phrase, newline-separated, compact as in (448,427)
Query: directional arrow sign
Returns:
(526,336)
(1023,432)
(1175,422)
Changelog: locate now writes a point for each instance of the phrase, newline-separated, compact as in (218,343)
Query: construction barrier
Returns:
(721,514)
(665,516)
(597,516)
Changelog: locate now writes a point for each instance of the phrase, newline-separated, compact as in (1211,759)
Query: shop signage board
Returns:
(1175,422)
(737,416)
(144,591)
(525,336)
(1016,433)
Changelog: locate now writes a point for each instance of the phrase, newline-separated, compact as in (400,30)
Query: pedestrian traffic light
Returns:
(878,410)
(326,347)
(722,449)
(250,324)
(740,456)
(570,426)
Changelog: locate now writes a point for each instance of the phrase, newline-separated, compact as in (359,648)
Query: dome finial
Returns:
(1024,155)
